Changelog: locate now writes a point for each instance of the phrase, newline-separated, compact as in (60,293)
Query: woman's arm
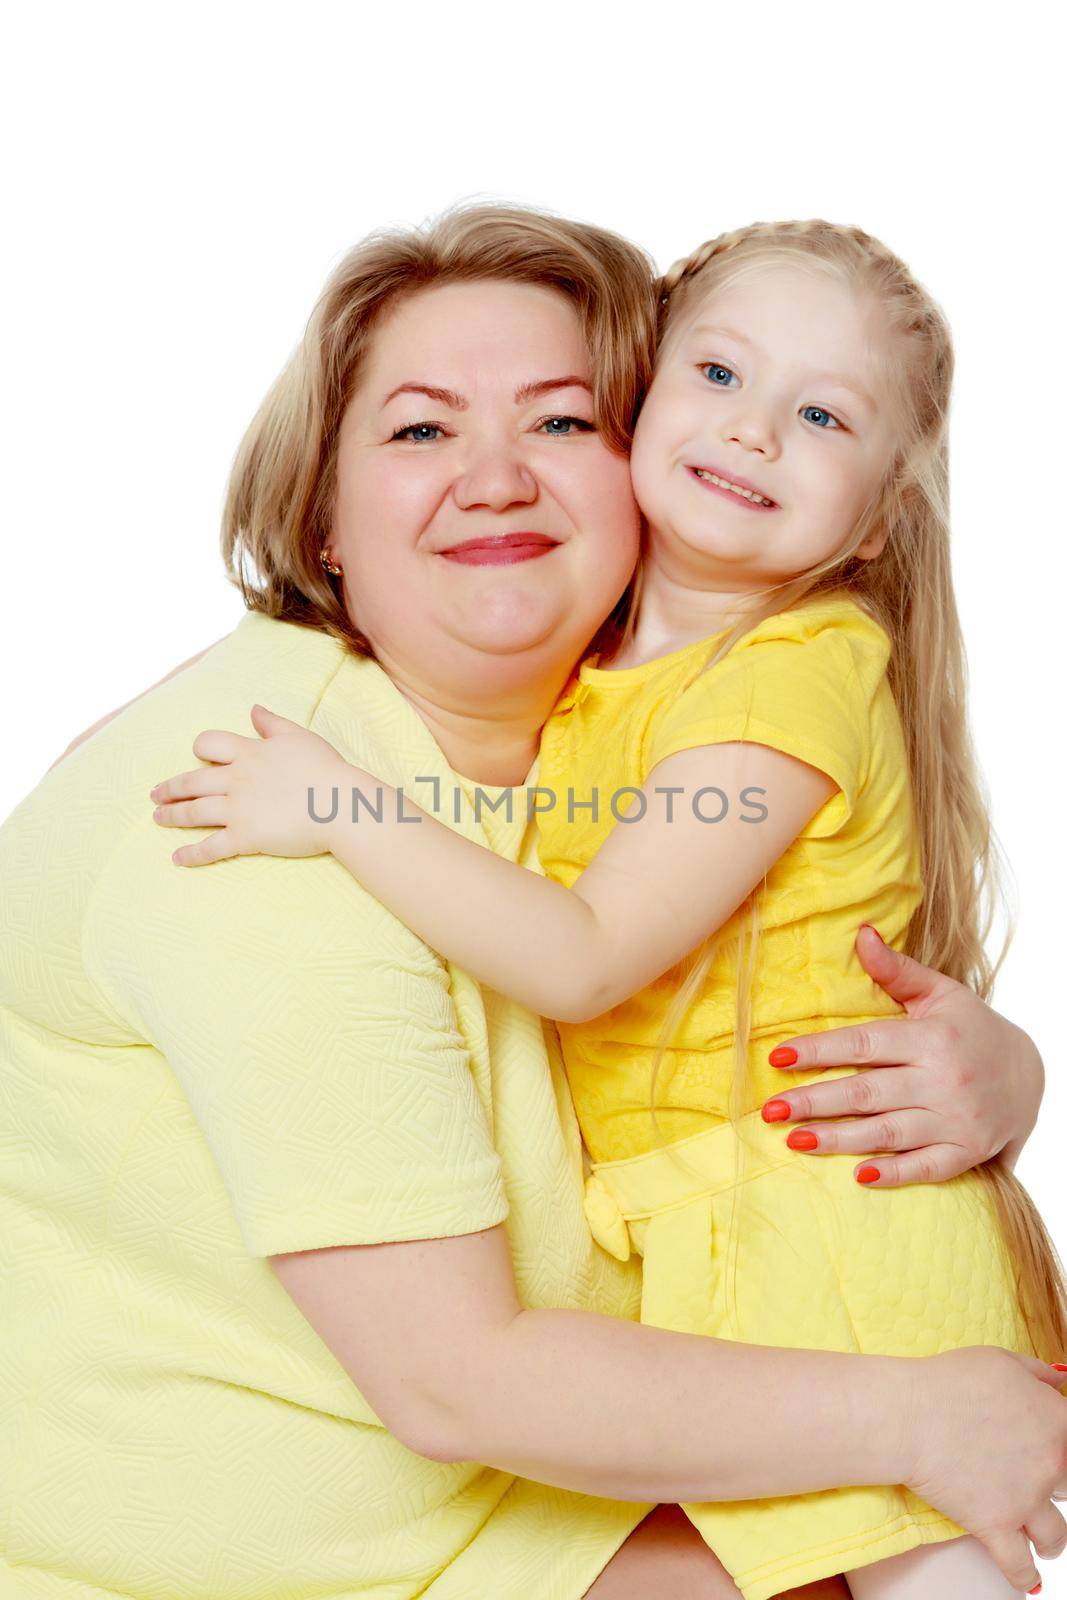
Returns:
(656,888)
(88,732)
(434,1336)
(952,1083)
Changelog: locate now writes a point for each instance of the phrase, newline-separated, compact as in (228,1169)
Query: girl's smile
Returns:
(736,488)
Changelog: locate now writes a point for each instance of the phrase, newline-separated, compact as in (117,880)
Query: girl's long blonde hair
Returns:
(908,590)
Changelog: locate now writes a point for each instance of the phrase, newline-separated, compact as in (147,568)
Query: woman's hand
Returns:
(257,792)
(965,1083)
(987,1444)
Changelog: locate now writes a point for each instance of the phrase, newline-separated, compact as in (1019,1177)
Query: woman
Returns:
(296,1217)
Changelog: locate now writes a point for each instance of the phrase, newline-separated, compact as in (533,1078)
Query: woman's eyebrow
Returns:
(446,397)
(530,391)
(457,402)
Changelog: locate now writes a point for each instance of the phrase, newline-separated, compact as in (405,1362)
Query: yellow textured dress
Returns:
(809,1257)
(200,1069)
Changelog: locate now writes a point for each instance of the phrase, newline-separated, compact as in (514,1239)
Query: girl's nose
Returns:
(752,431)
(496,477)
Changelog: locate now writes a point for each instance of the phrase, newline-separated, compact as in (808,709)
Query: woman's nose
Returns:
(496,477)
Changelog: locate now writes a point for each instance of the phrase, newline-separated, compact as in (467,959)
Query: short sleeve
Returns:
(314,1037)
(801,683)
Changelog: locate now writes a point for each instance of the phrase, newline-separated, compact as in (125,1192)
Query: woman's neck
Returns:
(490,738)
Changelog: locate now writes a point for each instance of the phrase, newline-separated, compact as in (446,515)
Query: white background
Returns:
(183,178)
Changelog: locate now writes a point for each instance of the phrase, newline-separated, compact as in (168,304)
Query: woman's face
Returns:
(480,521)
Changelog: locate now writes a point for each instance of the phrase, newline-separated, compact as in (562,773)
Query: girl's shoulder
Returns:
(834,612)
(835,626)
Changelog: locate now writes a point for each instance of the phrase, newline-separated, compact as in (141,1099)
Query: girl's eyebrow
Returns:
(457,402)
(839,378)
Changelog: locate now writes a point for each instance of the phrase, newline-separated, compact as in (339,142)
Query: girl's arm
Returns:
(712,822)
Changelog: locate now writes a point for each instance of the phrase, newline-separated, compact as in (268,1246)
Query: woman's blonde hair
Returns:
(908,589)
(279,501)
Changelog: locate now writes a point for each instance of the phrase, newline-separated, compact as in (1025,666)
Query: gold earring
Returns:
(328,564)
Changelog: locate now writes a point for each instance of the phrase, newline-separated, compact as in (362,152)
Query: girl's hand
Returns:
(965,1083)
(256,793)
(985,1436)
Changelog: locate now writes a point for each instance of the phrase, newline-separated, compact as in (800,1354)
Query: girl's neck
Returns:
(675,609)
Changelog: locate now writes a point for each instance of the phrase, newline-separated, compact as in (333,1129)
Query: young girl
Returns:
(769,746)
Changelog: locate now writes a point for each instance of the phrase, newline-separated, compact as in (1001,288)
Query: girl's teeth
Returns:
(746,494)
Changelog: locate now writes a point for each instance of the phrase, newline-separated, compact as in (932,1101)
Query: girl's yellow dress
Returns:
(815,1260)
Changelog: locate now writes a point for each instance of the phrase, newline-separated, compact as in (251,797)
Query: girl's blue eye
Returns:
(718,375)
(561,427)
(821,418)
(417,432)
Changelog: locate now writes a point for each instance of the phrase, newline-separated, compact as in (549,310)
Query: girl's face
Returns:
(481,522)
(773,384)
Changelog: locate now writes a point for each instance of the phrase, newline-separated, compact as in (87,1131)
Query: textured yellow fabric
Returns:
(199,1068)
(800,1255)
(813,1259)
(810,682)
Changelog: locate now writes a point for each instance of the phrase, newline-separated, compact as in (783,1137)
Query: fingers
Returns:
(218,744)
(907,1140)
(218,846)
(932,1164)
(190,785)
(906,979)
(1011,1552)
(906,1130)
(1047,1532)
(887,1041)
(210,812)
(268,722)
(861,1095)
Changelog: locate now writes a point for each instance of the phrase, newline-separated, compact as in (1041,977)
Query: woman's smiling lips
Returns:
(701,476)
(502,549)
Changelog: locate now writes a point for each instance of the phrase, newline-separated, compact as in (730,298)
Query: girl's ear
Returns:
(873,546)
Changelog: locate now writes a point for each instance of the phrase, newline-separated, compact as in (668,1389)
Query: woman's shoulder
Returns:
(101,787)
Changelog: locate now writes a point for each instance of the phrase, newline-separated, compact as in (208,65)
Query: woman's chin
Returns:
(509,622)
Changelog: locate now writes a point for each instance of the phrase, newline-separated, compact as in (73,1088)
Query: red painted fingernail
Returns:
(803,1139)
(1035,1590)
(1059,1366)
(868,1175)
(776,1111)
(782,1055)
(873,929)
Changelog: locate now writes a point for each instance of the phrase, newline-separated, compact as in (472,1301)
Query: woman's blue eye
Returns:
(718,375)
(560,427)
(821,418)
(417,432)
